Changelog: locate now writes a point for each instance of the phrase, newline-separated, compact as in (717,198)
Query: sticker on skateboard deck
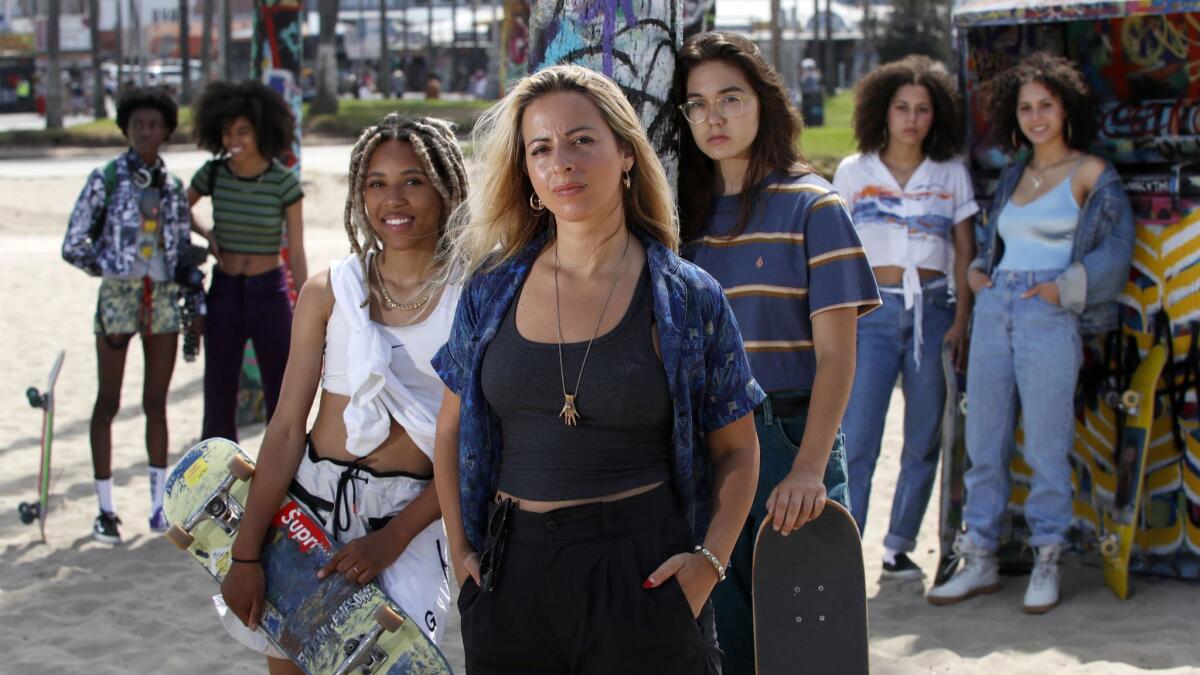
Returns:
(1121,520)
(31,511)
(954,465)
(328,625)
(810,598)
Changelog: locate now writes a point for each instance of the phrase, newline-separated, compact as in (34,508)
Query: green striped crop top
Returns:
(248,213)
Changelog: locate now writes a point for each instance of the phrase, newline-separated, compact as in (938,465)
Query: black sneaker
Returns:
(902,568)
(104,529)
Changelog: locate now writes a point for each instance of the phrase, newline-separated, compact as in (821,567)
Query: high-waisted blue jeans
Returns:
(1024,351)
(885,352)
(243,308)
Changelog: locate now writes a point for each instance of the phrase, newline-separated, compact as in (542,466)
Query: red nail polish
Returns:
(649,583)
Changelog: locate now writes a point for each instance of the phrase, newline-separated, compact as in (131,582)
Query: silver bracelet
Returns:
(715,562)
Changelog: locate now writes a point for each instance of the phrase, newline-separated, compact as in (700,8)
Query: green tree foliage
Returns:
(916,27)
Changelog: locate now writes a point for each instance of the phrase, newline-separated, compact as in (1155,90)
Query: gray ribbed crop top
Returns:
(623,440)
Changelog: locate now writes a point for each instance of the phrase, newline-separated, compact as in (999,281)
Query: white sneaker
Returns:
(979,574)
(1042,594)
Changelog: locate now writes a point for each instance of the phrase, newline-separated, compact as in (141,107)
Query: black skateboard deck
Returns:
(810,598)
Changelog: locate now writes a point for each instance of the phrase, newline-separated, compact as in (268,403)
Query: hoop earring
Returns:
(1015,142)
(625,180)
(1068,132)
(536,204)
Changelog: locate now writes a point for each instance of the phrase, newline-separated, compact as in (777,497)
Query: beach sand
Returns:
(72,605)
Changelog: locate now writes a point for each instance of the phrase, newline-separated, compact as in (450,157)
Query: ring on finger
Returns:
(354,568)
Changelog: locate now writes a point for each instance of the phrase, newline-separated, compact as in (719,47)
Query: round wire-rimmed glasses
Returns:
(728,106)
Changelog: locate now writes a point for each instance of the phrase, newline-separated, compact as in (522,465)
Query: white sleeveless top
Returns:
(385,370)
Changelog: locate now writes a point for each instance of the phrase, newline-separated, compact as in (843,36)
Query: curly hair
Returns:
(873,98)
(223,102)
(152,98)
(775,146)
(434,143)
(1063,80)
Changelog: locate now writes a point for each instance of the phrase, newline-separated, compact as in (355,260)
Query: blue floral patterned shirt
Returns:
(706,368)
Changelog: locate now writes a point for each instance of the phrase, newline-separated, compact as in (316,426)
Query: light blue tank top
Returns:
(1039,235)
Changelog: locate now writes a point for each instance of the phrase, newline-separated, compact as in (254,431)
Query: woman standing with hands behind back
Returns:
(247,125)
(1052,260)
(914,208)
(595,456)
(780,242)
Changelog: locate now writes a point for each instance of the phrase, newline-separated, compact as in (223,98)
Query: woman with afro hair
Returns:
(913,206)
(248,127)
(1055,253)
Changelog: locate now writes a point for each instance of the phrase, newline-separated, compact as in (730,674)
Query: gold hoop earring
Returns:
(536,204)
(625,180)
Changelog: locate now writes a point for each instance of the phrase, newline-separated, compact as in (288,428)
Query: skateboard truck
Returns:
(222,509)
(363,655)
(36,398)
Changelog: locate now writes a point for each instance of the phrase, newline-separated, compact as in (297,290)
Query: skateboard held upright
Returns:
(31,511)
(1119,523)
(810,598)
(954,465)
(325,626)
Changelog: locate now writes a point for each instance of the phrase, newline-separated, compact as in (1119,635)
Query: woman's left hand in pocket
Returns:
(364,558)
(1047,291)
(695,574)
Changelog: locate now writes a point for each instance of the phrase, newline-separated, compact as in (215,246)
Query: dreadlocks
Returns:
(435,145)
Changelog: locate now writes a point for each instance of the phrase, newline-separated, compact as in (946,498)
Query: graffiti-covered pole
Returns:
(634,42)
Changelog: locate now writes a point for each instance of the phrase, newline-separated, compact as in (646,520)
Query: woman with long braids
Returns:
(780,242)
(1054,255)
(595,452)
(913,205)
(247,126)
(364,334)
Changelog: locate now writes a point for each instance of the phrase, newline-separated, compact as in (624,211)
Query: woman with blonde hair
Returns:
(595,457)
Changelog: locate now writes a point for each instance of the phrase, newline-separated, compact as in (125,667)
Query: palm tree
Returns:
(99,108)
(326,101)
(185,51)
(206,42)
(52,84)
(385,60)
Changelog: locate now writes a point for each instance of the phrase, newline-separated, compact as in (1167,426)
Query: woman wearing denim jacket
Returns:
(1054,255)
(595,453)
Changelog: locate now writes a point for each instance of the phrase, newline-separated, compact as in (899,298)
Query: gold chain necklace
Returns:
(569,412)
(389,301)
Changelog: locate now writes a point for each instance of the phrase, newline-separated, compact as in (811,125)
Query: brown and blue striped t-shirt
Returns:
(797,257)
(248,213)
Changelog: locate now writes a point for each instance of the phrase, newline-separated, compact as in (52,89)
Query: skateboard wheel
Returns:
(35,398)
(388,618)
(1108,546)
(962,406)
(240,467)
(1130,400)
(180,537)
(28,512)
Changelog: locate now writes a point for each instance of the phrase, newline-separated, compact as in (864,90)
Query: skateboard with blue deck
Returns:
(325,626)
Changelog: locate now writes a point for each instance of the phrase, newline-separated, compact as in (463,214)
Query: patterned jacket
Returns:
(706,367)
(117,248)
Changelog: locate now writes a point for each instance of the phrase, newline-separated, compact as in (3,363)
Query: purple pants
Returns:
(241,308)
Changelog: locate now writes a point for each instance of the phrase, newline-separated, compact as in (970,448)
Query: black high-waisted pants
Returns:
(569,597)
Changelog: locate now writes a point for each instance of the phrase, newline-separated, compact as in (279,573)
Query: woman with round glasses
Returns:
(913,206)
(780,242)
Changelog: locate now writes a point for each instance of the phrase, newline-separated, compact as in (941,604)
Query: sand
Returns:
(73,605)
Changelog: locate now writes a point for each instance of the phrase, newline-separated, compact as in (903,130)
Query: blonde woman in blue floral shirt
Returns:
(598,400)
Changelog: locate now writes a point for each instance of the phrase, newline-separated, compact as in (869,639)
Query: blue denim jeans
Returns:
(885,352)
(778,441)
(1023,351)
